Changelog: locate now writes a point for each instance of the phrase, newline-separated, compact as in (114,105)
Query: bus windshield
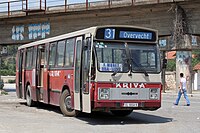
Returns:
(113,57)
(144,58)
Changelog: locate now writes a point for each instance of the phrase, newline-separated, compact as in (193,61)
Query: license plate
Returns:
(130,105)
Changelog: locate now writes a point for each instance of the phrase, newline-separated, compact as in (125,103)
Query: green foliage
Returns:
(196,59)
(11,81)
(171,65)
(4,92)
(8,63)
(5,72)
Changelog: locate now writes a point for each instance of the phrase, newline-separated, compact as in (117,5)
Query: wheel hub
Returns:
(68,103)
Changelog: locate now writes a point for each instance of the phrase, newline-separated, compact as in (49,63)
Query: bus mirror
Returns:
(164,64)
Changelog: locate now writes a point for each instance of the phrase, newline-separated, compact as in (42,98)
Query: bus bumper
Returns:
(137,105)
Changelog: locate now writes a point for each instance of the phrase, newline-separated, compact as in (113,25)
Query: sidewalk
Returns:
(195,93)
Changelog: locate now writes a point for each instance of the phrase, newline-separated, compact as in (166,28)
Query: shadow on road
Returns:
(43,106)
(101,118)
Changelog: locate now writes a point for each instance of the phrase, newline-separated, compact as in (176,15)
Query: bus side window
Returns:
(34,57)
(42,59)
(29,55)
(60,53)
(52,54)
(69,52)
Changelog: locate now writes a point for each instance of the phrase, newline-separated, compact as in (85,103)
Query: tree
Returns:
(171,65)
(196,58)
(8,63)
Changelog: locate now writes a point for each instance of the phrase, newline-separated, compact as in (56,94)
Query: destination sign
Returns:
(126,33)
(135,35)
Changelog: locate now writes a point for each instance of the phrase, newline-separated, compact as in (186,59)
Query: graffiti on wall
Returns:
(38,30)
(35,31)
(17,32)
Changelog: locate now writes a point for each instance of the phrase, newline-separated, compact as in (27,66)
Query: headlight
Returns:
(153,94)
(153,90)
(104,93)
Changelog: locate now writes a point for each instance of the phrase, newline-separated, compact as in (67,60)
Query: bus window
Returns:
(52,54)
(69,52)
(34,57)
(60,53)
(29,55)
(145,57)
(111,57)
(93,69)
(46,55)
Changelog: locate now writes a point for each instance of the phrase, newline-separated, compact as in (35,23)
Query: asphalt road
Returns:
(16,117)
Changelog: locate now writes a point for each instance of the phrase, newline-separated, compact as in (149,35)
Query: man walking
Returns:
(182,90)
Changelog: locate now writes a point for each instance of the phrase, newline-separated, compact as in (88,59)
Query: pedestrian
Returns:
(182,90)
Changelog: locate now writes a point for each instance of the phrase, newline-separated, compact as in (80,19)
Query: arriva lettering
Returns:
(130,85)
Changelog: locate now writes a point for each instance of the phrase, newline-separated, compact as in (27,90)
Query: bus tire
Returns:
(65,104)
(121,112)
(29,100)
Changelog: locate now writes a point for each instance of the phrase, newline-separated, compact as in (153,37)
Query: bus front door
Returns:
(82,100)
(20,73)
(77,74)
(86,74)
(40,73)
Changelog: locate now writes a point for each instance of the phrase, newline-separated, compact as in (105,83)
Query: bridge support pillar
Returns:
(184,64)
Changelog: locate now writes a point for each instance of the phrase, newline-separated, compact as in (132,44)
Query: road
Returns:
(16,117)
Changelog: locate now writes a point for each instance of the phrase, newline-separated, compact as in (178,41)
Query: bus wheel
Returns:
(65,104)
(121,112)
(29,100)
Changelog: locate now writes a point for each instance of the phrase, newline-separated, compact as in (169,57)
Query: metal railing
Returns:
(21,7)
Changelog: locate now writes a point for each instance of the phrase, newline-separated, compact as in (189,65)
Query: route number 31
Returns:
(109,34)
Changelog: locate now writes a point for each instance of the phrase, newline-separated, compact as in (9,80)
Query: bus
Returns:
(111,68)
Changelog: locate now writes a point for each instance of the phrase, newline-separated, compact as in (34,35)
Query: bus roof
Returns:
(91,30)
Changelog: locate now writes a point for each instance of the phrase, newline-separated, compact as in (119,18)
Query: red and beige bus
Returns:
(105,68)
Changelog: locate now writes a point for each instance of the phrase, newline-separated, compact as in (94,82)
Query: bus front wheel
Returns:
(29,100)
(65,104)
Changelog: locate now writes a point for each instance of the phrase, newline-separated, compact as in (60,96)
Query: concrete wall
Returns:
(196,84)
(7,78)
(170,79)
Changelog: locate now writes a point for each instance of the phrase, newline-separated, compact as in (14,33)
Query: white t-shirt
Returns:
(183,81)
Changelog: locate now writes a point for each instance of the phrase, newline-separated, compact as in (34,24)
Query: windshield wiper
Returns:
(140,67)
(130,61)
(115,72)
(129,58)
